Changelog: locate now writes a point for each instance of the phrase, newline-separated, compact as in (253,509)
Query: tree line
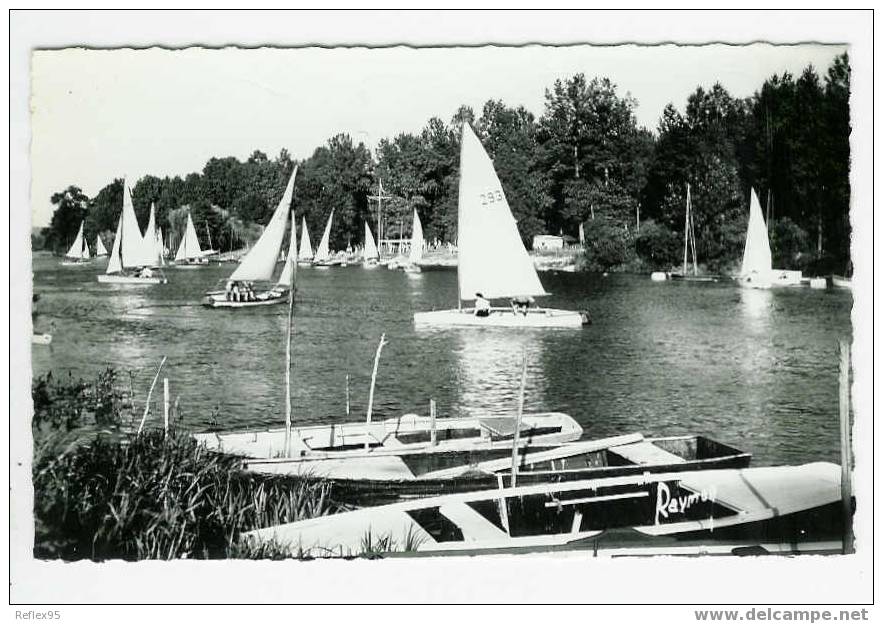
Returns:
(585,160)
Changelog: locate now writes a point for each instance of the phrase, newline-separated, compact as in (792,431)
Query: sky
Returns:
(101,114)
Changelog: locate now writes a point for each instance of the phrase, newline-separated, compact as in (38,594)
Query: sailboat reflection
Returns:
(488,371)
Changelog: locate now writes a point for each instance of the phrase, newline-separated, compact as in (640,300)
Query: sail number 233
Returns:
(490,197)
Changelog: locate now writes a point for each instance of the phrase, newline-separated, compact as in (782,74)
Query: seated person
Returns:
(521,304)
(482,305)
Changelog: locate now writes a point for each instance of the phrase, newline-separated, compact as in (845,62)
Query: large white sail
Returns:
(150,237)
(492,258)
(306,249)
(416,254)
(100,249)
(133,250)
(291,258)
(76,250)
(370,247)
(322,251)
(189,247)
(114,263)
(757,258)
(259,262)
(160,248)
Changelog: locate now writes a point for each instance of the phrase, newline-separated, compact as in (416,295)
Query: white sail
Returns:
(133,250)
(582,234)
(492,258)
(291,258)
(189,247)
(150,237)
(757,258)
(322,251)
(160,248)
(114,263)
(416,254)
(306,249)
(259,262)
(76,250)
(85,255)
(100,249)
(370,247)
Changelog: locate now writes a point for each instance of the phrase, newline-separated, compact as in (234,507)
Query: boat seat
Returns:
(474,526)
(501,426)
(646,453)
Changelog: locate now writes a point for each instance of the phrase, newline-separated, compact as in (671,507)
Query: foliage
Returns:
(658,247)
(608,244)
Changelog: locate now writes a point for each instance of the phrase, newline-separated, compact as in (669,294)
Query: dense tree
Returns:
(71,207)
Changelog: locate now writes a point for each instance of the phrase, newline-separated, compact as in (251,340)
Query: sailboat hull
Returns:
(76,263)
(219,300)
(502,317)
(131,279)
(41,339)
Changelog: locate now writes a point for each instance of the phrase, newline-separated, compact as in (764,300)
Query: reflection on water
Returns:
(488,369)
(757,369)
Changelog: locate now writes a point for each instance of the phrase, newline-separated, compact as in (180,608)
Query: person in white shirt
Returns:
(482,305)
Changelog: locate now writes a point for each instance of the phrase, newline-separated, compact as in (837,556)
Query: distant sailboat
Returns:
(690,248)
(415,255)
(152,237)
(259,264)
(78,254)
(160,246)
(305,254)
(492,257)
(370,256)
(132,257)
(189,252)
(323,253)
(100,249)
(757,259)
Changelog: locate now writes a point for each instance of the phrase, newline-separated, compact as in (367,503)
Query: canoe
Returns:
(391,437)
(784,505)
(373,480)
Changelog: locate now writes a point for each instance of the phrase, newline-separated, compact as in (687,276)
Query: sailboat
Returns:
(305,253)
(492,257)
(189,252)
(323,257)
(133,256)
(160,247)
(100,249)
(78,254)
(152,237)
(415,255)
(370,256)
(690,248)
(259,264)
(757,259)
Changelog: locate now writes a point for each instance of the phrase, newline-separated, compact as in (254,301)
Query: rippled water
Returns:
(757,369)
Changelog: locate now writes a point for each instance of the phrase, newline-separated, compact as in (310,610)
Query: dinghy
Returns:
(41,339)
(100,249)
(78,254)
(370,255)
(783,507)
(492,258)
(690,247)
(259,264)
(305,253)
(323,258)
(189,252)
(133,258)
(757,259)
(393,436)
(371,479)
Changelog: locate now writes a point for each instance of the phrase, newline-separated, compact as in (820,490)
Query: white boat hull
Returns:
(41,339)
(502,317)
(219,300)
(131,279)
(76,263)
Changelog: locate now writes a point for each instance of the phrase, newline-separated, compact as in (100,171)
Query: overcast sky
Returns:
(100,114)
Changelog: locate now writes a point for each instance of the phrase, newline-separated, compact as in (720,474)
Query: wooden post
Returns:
(288,359)
(374,377)
(149,394)
(433,434)
(347,396)
(165,403)
(516,436)
(845,449)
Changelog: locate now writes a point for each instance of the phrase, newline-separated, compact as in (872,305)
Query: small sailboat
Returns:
(787,509)
(100,249)
(757,259)
(690,249)
(370,255)
(259,264)
(305,253)
(133,258)
(189,252)
(78,254)
(493,261)
(415,255)
(323,257)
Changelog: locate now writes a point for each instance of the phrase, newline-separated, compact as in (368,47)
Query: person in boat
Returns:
(521,305)
(144,272)
(228,290)
(482,305)
(235,291)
